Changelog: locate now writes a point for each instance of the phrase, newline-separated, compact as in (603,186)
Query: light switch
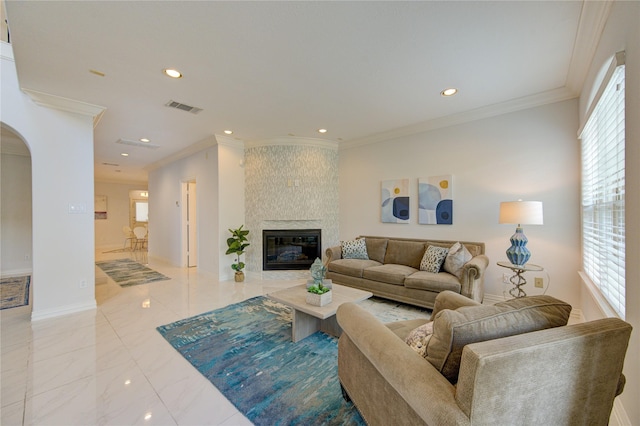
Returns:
(77,208)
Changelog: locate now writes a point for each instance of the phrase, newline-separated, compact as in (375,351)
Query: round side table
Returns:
(518,280)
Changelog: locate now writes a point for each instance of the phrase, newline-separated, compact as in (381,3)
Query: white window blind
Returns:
(603,192)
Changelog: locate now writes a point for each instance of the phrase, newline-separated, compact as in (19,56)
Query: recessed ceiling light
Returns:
(449,92)
(228,132)
(322,130)
(172,73)
(124,154)
(145,140)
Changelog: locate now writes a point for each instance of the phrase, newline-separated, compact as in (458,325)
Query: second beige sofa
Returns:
(392,270)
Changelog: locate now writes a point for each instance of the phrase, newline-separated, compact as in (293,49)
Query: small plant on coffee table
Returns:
(318,289)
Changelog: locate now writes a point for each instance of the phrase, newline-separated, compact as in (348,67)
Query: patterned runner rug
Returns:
(14,291)
(126,272)
(246,351)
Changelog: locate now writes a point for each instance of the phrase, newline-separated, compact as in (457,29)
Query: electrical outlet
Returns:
(83,284)
(506,278)
(539,282)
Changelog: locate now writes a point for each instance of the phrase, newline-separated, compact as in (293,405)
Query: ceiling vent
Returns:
(183,107)
(138,143)
(111,164)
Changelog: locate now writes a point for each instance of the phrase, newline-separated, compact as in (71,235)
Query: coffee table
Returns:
(307,319)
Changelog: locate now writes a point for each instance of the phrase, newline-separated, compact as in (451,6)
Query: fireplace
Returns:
(290,248)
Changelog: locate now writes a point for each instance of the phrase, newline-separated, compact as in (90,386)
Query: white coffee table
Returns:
(307,319)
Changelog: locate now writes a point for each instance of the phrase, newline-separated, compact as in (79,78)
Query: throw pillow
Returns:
(433,259)
(418,338)
(355,249)
(456,258)
(453,329)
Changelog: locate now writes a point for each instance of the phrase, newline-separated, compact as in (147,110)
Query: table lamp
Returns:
(520,213)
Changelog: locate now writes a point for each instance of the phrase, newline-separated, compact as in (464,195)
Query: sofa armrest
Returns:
(333,253)
(472,281)
(424,390)
(450,300)
(558,368)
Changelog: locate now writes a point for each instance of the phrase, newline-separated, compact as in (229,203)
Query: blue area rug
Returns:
(126,272)
(246,351)
(14,291)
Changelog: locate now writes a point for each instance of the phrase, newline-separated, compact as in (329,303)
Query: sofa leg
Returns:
(345,395)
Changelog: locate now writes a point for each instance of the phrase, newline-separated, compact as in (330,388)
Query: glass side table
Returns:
(518,280)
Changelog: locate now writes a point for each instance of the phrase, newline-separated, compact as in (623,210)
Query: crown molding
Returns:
(593,19)
(230,142)
(294,141)
(205,143)
(548,97)
(66,104)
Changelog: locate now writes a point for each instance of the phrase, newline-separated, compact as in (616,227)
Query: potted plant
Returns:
(318,288)
(237,243)
(318,295)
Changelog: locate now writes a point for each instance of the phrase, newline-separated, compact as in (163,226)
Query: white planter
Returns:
(319,299)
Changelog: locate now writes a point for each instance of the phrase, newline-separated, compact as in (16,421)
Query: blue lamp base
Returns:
(518,254)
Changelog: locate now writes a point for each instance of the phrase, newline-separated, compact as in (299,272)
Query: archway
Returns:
(16,224)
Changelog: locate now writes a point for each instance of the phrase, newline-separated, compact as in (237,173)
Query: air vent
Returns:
(183,107)
(138,143)
(111,164)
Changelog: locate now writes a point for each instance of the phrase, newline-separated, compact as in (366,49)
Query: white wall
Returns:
(61,145)
(530,154)
(165,209)
(230,207)
(622,32)
(16,250)
(108,232)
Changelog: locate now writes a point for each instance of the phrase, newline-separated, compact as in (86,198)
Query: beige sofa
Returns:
(392,270)
(567,375)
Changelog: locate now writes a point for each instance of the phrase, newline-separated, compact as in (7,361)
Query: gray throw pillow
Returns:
(456,258)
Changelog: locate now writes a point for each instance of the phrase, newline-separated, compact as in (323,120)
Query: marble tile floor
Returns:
(110,366)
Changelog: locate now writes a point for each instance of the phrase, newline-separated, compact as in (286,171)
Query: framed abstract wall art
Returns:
(395,201)
(435,200)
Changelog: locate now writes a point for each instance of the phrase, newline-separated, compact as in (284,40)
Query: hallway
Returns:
(110,366)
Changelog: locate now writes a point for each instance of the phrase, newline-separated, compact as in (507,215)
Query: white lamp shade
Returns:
(521,212)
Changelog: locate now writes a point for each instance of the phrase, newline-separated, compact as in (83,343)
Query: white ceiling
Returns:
(271,69)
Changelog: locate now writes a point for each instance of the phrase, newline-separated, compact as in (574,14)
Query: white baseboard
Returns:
(14,272)
(619,416)
(492,299)
(63,310)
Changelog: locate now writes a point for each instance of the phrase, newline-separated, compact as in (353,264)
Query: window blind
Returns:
(603,192)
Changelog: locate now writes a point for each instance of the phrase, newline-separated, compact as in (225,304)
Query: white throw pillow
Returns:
(418,338)
(355,249)
(457,257)
(433,259)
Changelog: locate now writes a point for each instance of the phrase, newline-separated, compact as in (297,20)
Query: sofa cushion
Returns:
(419,337)
(376,248)
(456,258)
(351,267)
(453,329)
(407,253)
(423,280)
(390,274)
(433,259)
(354,249)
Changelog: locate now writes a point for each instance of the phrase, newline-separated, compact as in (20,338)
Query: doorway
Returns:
(189,224)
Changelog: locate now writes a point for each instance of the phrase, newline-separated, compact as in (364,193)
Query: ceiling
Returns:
(274,69)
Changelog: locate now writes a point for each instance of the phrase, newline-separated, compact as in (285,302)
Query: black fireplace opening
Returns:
(290,248)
